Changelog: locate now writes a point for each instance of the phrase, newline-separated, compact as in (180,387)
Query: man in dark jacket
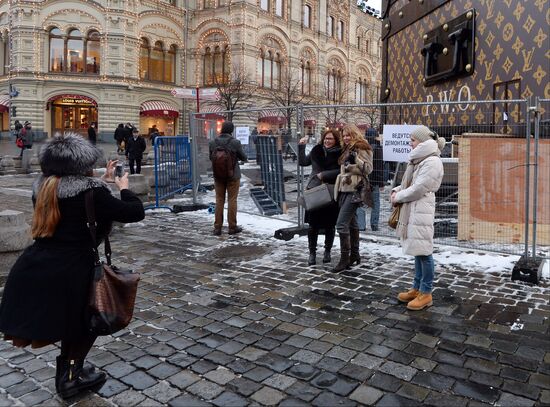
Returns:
(92,133)
(134,151)
(230,184)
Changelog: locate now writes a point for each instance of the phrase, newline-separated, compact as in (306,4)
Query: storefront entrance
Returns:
(73,113)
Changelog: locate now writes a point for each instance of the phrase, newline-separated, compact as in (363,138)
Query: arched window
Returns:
(334,85)
(5,68)
(156,62)
(307,16)
(271,70)
(93,53)
(264,5)
(144,59)
(367,47)
(279,7)
(57,46)
(330,26)
(362,91)
(75,52)
(214,63)
(170,64)
(306,78)
(340,31)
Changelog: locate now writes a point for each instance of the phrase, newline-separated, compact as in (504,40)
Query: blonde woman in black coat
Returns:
(46,293)
(323,159)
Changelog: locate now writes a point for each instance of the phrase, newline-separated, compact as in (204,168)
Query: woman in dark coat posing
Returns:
(323,159)
(46,293)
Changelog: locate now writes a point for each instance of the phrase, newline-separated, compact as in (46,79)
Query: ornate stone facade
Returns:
(73,62)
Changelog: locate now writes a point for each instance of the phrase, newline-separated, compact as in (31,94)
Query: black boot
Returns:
(312,235)
(355,257)
(329,240)
(87,370)
(344,253)
(71,380)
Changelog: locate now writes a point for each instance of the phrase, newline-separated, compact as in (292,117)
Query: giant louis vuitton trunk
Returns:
(462,50)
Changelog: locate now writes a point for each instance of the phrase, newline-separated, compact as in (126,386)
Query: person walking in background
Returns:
(415,228)
(120,136)
(92,133)
(135,146)
(355,165)
(45,298)
(376,179)
(323,159)
(225,154)
(26,136)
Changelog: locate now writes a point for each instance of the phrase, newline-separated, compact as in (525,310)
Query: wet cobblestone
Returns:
(262,328)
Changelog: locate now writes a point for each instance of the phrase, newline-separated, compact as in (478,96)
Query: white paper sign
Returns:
(397,142)
(242,134)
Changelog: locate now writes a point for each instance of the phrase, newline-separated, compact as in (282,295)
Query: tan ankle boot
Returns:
(422,301)
(408,295)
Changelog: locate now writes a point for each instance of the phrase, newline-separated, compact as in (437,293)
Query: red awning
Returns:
(4,103)
(335,125)
(210,113)
(271,116)
(157,108)
(309,119)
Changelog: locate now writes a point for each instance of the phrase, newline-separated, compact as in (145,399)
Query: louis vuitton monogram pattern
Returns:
(511,54)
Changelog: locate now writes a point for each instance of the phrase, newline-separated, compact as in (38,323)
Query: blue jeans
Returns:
(346,217)
(374,214)
(424,273)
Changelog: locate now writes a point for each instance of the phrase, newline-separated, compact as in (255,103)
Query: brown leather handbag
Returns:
(112,291)
(394,217)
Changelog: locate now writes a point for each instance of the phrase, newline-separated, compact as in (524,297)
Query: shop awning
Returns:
(271,116)
(4,103)
(210,113)
(158,108)
(309,119)
(335,125)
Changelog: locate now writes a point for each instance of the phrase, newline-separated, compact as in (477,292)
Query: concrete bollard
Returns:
(137,183)
(35,164)
(26,160)
(7,166)
(102,161)
(17,165)
(14,238)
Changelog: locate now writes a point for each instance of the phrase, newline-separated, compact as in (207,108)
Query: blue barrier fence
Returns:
(173,167)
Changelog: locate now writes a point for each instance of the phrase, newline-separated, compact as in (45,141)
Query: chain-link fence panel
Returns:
(541,198)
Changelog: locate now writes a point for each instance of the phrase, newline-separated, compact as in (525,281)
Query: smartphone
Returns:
(119,170)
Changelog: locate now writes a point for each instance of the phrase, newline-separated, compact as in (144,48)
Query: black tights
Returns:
(77,349)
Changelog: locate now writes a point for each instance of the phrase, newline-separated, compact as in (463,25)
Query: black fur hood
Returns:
(68,154)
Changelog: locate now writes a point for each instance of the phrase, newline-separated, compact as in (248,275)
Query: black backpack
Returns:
(223,162)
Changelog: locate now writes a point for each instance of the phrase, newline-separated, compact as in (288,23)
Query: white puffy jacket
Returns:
(420,196)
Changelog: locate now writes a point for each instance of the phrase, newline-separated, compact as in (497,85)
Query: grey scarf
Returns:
(71,185)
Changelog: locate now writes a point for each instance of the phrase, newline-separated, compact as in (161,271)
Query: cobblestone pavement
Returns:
(241,320)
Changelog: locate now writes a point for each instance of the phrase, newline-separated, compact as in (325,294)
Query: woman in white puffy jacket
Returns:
(416,220)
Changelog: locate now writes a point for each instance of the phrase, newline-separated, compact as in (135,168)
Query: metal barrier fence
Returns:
(173,164)
(495,192)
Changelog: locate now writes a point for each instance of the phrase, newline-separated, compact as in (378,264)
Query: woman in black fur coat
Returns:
(323,159)
(46,293)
